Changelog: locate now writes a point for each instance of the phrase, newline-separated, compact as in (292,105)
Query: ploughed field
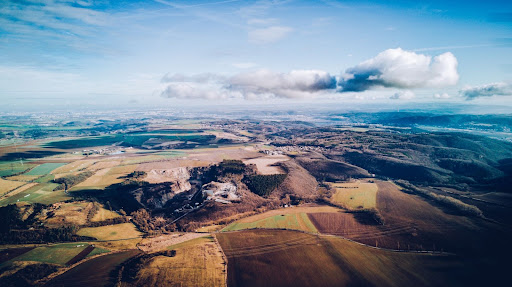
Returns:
(410,222)
(293,258)
(93,273)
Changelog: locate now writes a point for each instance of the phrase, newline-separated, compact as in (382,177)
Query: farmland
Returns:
(95,272)
(128,140)
(44,168)
(111,232)
(355,195)
(267,164)
(296,259)
(297,221)
(306,215)
(198,262)
(57,254)
(70,213)
(7,185)
(9,168)
(104,214)
(40,193)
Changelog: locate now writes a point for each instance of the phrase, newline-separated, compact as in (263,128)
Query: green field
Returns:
(294,221)
(57,254)
(111,232)
(135,139)
(41,193)
(44,168)
(96,251)
(8,168)
(45,179)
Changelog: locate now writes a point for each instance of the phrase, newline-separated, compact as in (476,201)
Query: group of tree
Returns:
(68,181)
(263,185)
(15,230)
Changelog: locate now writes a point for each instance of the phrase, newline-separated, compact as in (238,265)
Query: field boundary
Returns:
(348,239)
(224,257)
(63,270)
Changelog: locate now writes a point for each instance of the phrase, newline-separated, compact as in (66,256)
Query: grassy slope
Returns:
(296,221)
(355,195)
(111,232)
(57,254)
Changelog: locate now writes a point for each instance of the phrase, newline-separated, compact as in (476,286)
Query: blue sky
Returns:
(241,52)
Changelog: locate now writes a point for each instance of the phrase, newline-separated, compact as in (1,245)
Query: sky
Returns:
(87,53)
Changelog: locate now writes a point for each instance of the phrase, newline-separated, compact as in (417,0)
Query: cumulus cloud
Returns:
(268,35)
(401,69)
(403,95)
(489,90)
(393,68)
(251,85)
(296,84)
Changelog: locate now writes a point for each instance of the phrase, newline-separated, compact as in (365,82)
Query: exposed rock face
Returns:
(179,175)
(223,192)
(174,181)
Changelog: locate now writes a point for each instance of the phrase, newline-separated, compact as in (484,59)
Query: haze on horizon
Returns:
(78,53)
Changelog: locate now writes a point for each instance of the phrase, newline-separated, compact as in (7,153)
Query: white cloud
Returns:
(268,35)
(489,90)
(261,84)
(296,84)
(401,69)
(403,95)
(191,90)
(441,96)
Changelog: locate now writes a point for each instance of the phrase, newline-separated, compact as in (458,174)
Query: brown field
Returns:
(106,176)
(22,178)
(355,195)
(121,244)
(265,163)
(73,166)
(70,213)
(411,223)
(289,258)
(197,263)
(21,188)
(161,242)
(93,273)
(104,214)
(346,225)
(99,165)
(8,185)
